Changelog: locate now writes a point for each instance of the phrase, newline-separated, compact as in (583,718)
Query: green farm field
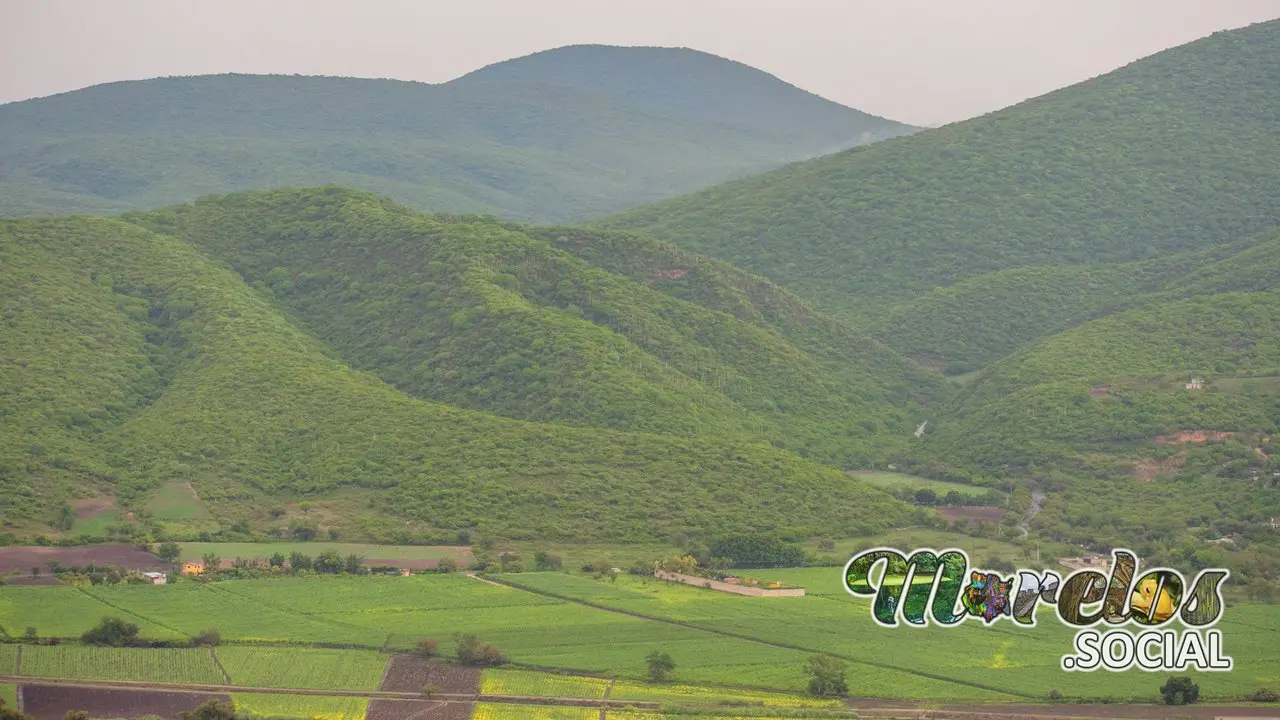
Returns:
(498,711)
(177,501)
(900,480)
(572,622)
(301,706)
(530,683)
(315,669)
(8,659)
(9,694)
(163,665)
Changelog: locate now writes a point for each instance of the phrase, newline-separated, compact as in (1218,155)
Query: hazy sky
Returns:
(919,61)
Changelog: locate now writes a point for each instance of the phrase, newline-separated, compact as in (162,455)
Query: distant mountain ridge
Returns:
(1165,155)
(523,139)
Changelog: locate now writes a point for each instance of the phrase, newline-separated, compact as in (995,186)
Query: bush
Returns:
(207,638)
(447,565)
(1265,695)
(111,632)
(1179,691)
(211,710)
(1054,695)
(473,652)
(428,690)
(428,647)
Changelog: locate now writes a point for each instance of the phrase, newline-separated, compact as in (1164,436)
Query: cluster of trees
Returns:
(468,650)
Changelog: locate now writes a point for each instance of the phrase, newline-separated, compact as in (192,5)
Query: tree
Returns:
(1179,691)
(112,632)
(211,562)
(169,552)
(276,560)
(659,666)
(546,561)
(428,647)
(826,676)
(207,638)
(354,563)
(299,561)
(926,496)
(447,565)
(473,652)
(329,561)
(31,635)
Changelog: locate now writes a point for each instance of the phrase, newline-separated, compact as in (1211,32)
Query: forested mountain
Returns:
(523,139)
(1169,154)
(323,344)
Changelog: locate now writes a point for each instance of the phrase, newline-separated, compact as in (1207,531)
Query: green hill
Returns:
(522,139)
(522,322)
(135,357)
(1169,154)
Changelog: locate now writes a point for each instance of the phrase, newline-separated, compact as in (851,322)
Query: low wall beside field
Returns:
(747,590)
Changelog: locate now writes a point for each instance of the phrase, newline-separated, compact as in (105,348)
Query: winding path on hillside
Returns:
(1038,499)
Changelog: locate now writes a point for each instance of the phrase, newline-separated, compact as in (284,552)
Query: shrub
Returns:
(428,647)
(207,638)
(428,690)
(1179,691)
(447,565)
(112,632)
(473,652)
(1265,695)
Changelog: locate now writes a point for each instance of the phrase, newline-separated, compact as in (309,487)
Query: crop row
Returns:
(168,665)
(530,683)
(318,669)
(315,707)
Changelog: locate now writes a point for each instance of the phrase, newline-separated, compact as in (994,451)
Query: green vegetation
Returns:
(176,501)
(267,411)
(528,683)
(498,711)
(195,550)
(164,665)
(313,668)
(316,707)
(523,139)
(693,694)
(1167,154)
(977,662)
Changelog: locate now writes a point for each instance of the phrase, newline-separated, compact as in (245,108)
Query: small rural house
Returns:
(1195,384)
(193,568)
(156,578)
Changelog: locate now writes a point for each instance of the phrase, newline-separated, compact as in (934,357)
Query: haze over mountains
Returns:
(561,135)
(1069,263)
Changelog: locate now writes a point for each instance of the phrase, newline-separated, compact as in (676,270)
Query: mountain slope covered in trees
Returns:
(1169,154)
(519,140)
(135,357)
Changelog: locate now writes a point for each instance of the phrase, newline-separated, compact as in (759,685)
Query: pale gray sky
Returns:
(920,61)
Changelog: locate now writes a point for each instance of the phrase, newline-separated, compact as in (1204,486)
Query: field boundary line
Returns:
(770,643)
(144,618)
(17,661)
(213,653)
(199,689)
